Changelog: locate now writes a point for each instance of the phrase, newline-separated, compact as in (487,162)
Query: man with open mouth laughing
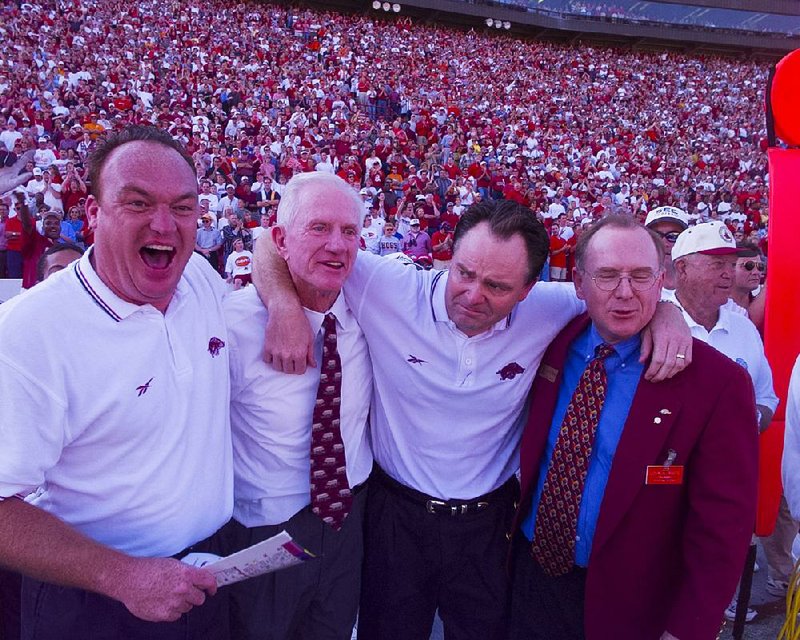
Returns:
(120,441)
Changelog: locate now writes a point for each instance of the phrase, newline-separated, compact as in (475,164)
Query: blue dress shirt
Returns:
(623,371)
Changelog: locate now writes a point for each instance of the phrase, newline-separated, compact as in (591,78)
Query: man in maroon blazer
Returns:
(635,518)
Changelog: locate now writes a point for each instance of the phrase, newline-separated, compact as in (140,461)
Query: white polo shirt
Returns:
(119,413)
(272,412)
(737,337)
(447,412)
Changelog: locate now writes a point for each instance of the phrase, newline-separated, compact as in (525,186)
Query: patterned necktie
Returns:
(557,516)
(331,498)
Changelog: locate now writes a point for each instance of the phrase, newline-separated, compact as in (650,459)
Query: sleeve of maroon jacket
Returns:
(722,477)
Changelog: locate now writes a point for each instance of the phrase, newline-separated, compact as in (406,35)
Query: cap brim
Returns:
(719,251)
(677,221)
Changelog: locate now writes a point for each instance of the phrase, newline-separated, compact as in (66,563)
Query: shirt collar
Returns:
(114,306)
(344,318)
(626,349)
(723,318)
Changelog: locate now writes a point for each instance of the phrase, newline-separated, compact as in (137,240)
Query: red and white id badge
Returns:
(659,474)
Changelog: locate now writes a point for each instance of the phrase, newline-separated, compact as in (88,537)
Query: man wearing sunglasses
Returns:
(749,272)
(667,222)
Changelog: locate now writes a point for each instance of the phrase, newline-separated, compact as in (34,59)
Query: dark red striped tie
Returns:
(331,498)
(557,516)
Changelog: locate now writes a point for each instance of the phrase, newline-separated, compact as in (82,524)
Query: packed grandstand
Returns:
(266,89)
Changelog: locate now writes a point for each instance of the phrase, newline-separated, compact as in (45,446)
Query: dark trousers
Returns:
(543,607)
(13,264)
(416,562)
(10,587)
(213,260)
(3,259)
(51,612)
(315,600)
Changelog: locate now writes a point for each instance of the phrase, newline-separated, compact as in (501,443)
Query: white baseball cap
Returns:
(667,214)
(710,238)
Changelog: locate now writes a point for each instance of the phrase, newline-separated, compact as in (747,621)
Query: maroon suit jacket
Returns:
(664,557)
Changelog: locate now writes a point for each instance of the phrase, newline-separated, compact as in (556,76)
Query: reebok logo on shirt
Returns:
(142,388)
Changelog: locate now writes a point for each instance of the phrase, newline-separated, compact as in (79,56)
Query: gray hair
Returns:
(295,192)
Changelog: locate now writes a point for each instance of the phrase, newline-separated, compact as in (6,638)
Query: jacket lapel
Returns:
(652,415)
(544,395)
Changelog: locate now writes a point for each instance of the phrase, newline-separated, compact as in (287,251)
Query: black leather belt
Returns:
(455,507)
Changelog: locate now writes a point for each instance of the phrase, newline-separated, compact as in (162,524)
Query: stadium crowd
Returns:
(417,117)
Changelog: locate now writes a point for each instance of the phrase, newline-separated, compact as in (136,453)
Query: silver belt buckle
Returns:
(431,504)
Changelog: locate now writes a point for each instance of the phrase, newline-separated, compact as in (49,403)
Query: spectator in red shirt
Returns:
(558,255)
(442,245)
(34,244)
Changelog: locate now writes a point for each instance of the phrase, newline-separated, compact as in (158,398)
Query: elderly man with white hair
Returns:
(301,452)
(704,258)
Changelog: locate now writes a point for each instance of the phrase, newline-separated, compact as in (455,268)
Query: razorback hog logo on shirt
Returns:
(214,346)
(510,371)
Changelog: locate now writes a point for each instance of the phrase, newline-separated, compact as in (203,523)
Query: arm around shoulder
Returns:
(288,343)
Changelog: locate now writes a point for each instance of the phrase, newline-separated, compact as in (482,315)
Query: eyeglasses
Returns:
(670,236)
(640,280)
(750,265)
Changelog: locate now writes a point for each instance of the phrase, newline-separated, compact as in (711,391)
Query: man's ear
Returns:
(279,240)
(680,267)
(92,212)
(579,281)
(527,290)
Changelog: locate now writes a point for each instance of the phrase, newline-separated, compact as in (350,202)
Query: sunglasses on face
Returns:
(670,236)
(750,265)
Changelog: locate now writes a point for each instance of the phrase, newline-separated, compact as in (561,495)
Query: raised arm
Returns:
(11,178)
(39,545)
(288,342)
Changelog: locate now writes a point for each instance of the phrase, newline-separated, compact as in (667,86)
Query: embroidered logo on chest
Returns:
(142,388)
(214,346)
(510,371)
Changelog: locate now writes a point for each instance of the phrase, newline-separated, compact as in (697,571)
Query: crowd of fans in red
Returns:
(399,109)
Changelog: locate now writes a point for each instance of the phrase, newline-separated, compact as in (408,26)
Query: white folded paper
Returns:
(278,552)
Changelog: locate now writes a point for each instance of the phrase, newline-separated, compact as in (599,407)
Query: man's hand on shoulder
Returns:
(288,341)
(667,342)
(163,589)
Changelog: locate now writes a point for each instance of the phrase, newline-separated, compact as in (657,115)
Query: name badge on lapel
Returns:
(548,373)
(666,473)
